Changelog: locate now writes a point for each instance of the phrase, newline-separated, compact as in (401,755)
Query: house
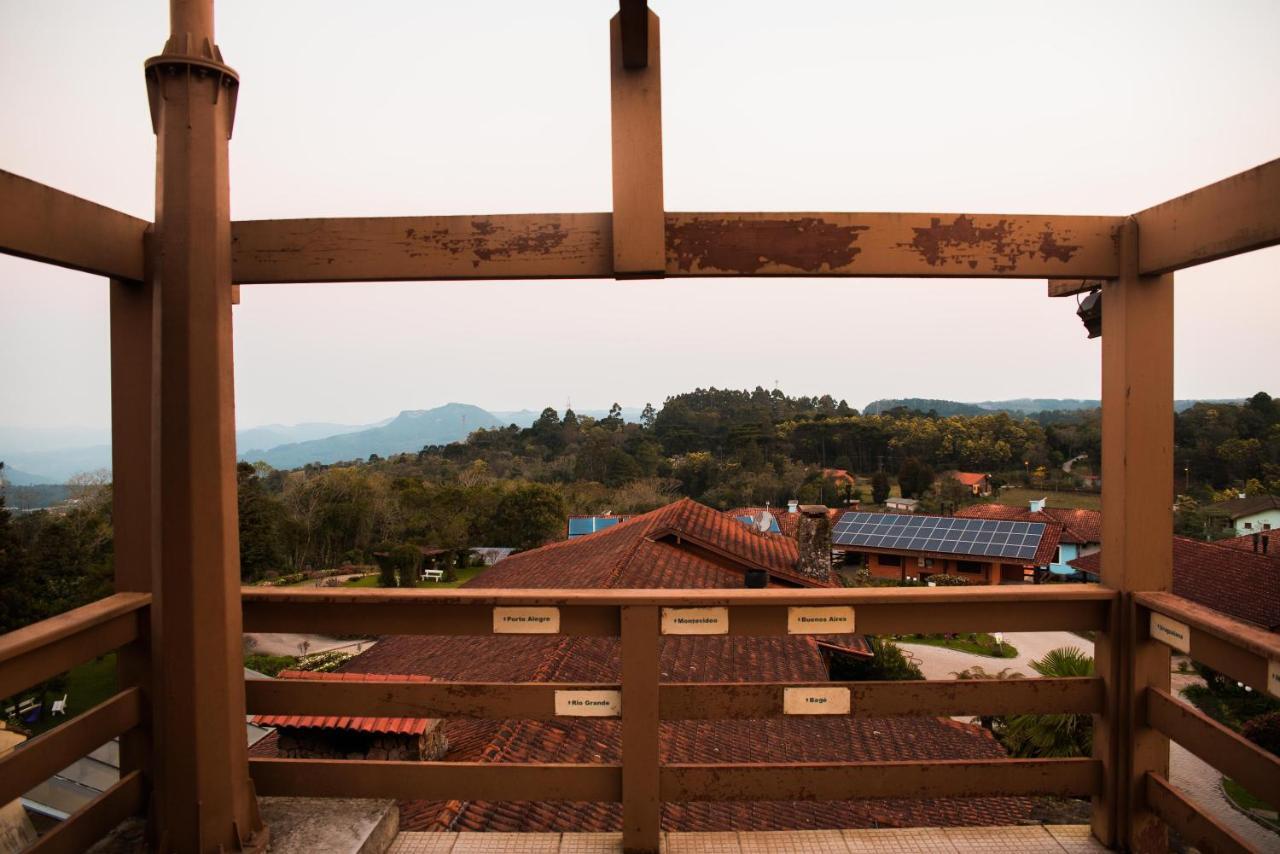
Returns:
(580,526)
(1248,513)
(1081,529)
(682,545)
(1237,582)
(979,485)
(901,505)
(785,522)
(919,547)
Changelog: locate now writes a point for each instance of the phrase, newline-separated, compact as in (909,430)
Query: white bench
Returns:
(433,575)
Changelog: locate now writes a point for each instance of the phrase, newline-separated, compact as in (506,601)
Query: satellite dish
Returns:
(764,524)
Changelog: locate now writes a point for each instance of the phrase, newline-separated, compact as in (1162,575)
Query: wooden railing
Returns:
(640,782)
(35,653)
(1242,652)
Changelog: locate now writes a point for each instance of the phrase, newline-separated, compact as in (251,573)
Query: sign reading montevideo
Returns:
(1171,632)
(526,621)
(1273,677)
(827,620)
(816,701)
(589,704)
(695,621)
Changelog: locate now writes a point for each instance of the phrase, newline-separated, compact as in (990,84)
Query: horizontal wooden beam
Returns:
(1072,287)
(467,781)
(755,612)
(943,778)
(1235,215)
(95,819)
(1256,769)
(492,701)
(384,249)
(1229,646)
(46,754)
(752,700)
(1197,828)
(568,246)
(36,652)
(48,225)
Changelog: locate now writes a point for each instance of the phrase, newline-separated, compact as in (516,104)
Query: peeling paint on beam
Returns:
(1235,215)
(890,244)
(514,246)
(53,227)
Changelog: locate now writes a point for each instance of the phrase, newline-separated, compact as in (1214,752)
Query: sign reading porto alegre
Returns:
(1171,632)
(695,621)
(589,704)
(816,701)
(526,621)
(827,620)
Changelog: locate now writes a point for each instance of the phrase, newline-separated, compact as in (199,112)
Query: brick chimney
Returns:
(813,537)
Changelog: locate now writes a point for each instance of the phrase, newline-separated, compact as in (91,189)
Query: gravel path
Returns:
(278,643)
(938,662)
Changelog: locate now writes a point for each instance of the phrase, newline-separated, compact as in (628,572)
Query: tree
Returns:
(529,515)
(260,516)
(648,416)
(887,663)
(386,565)
(1053,736)
(1264,731)
(613,421)
(406,560)
(879,488)
(914,478)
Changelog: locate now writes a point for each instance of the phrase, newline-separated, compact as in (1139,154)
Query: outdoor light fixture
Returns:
(1090,313)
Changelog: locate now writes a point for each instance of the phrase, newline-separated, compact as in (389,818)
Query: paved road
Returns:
(938,662)
(1199,780)
(278,643)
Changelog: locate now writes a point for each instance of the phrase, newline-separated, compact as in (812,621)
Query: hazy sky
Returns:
(402,108)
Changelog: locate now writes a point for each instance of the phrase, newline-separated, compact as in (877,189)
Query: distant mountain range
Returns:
(408,431)
(1017,406)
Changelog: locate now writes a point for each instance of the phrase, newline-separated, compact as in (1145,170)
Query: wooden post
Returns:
(135,378)
(641,800)
(203,798)
(639,227)
(1137,539)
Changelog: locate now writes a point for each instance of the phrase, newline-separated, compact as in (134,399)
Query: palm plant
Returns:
(1053,736)
(977,671)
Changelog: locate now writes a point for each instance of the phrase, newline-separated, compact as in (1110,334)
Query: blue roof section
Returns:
(580,526)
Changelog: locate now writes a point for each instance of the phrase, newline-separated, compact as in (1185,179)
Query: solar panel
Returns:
(939,534)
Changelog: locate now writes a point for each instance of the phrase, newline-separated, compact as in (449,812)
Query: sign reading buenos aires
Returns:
(1171,632)
(695,621)
(826,620)
(526,621)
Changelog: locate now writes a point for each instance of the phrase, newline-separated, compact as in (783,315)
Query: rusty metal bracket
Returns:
(189,65)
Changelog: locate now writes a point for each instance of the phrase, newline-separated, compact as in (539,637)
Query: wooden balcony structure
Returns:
(179,612)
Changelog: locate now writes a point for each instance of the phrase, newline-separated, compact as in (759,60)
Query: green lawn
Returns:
(1019,497)
(464,575)
(980,644)
(87,685)
(1246,801)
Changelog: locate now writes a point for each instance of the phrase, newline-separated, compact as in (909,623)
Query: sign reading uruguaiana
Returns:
(816,701)
(830,620)
(526,621)
(1273,677)
(695,621)
(1171,632)
(589,704)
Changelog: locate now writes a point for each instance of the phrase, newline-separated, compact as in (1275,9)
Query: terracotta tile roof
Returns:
(1253,543)
(788,523)
(380,726)
(653,551)
(1238,507)
(1240,584)
(967,478)
(1078,526)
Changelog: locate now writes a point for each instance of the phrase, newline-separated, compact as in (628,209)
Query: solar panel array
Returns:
(941,534)
(582,525)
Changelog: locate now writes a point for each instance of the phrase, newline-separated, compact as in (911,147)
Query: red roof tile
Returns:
(380,726)
(1078,526)
(968,478)
(1240,584)
(652,551)
(1254,543)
